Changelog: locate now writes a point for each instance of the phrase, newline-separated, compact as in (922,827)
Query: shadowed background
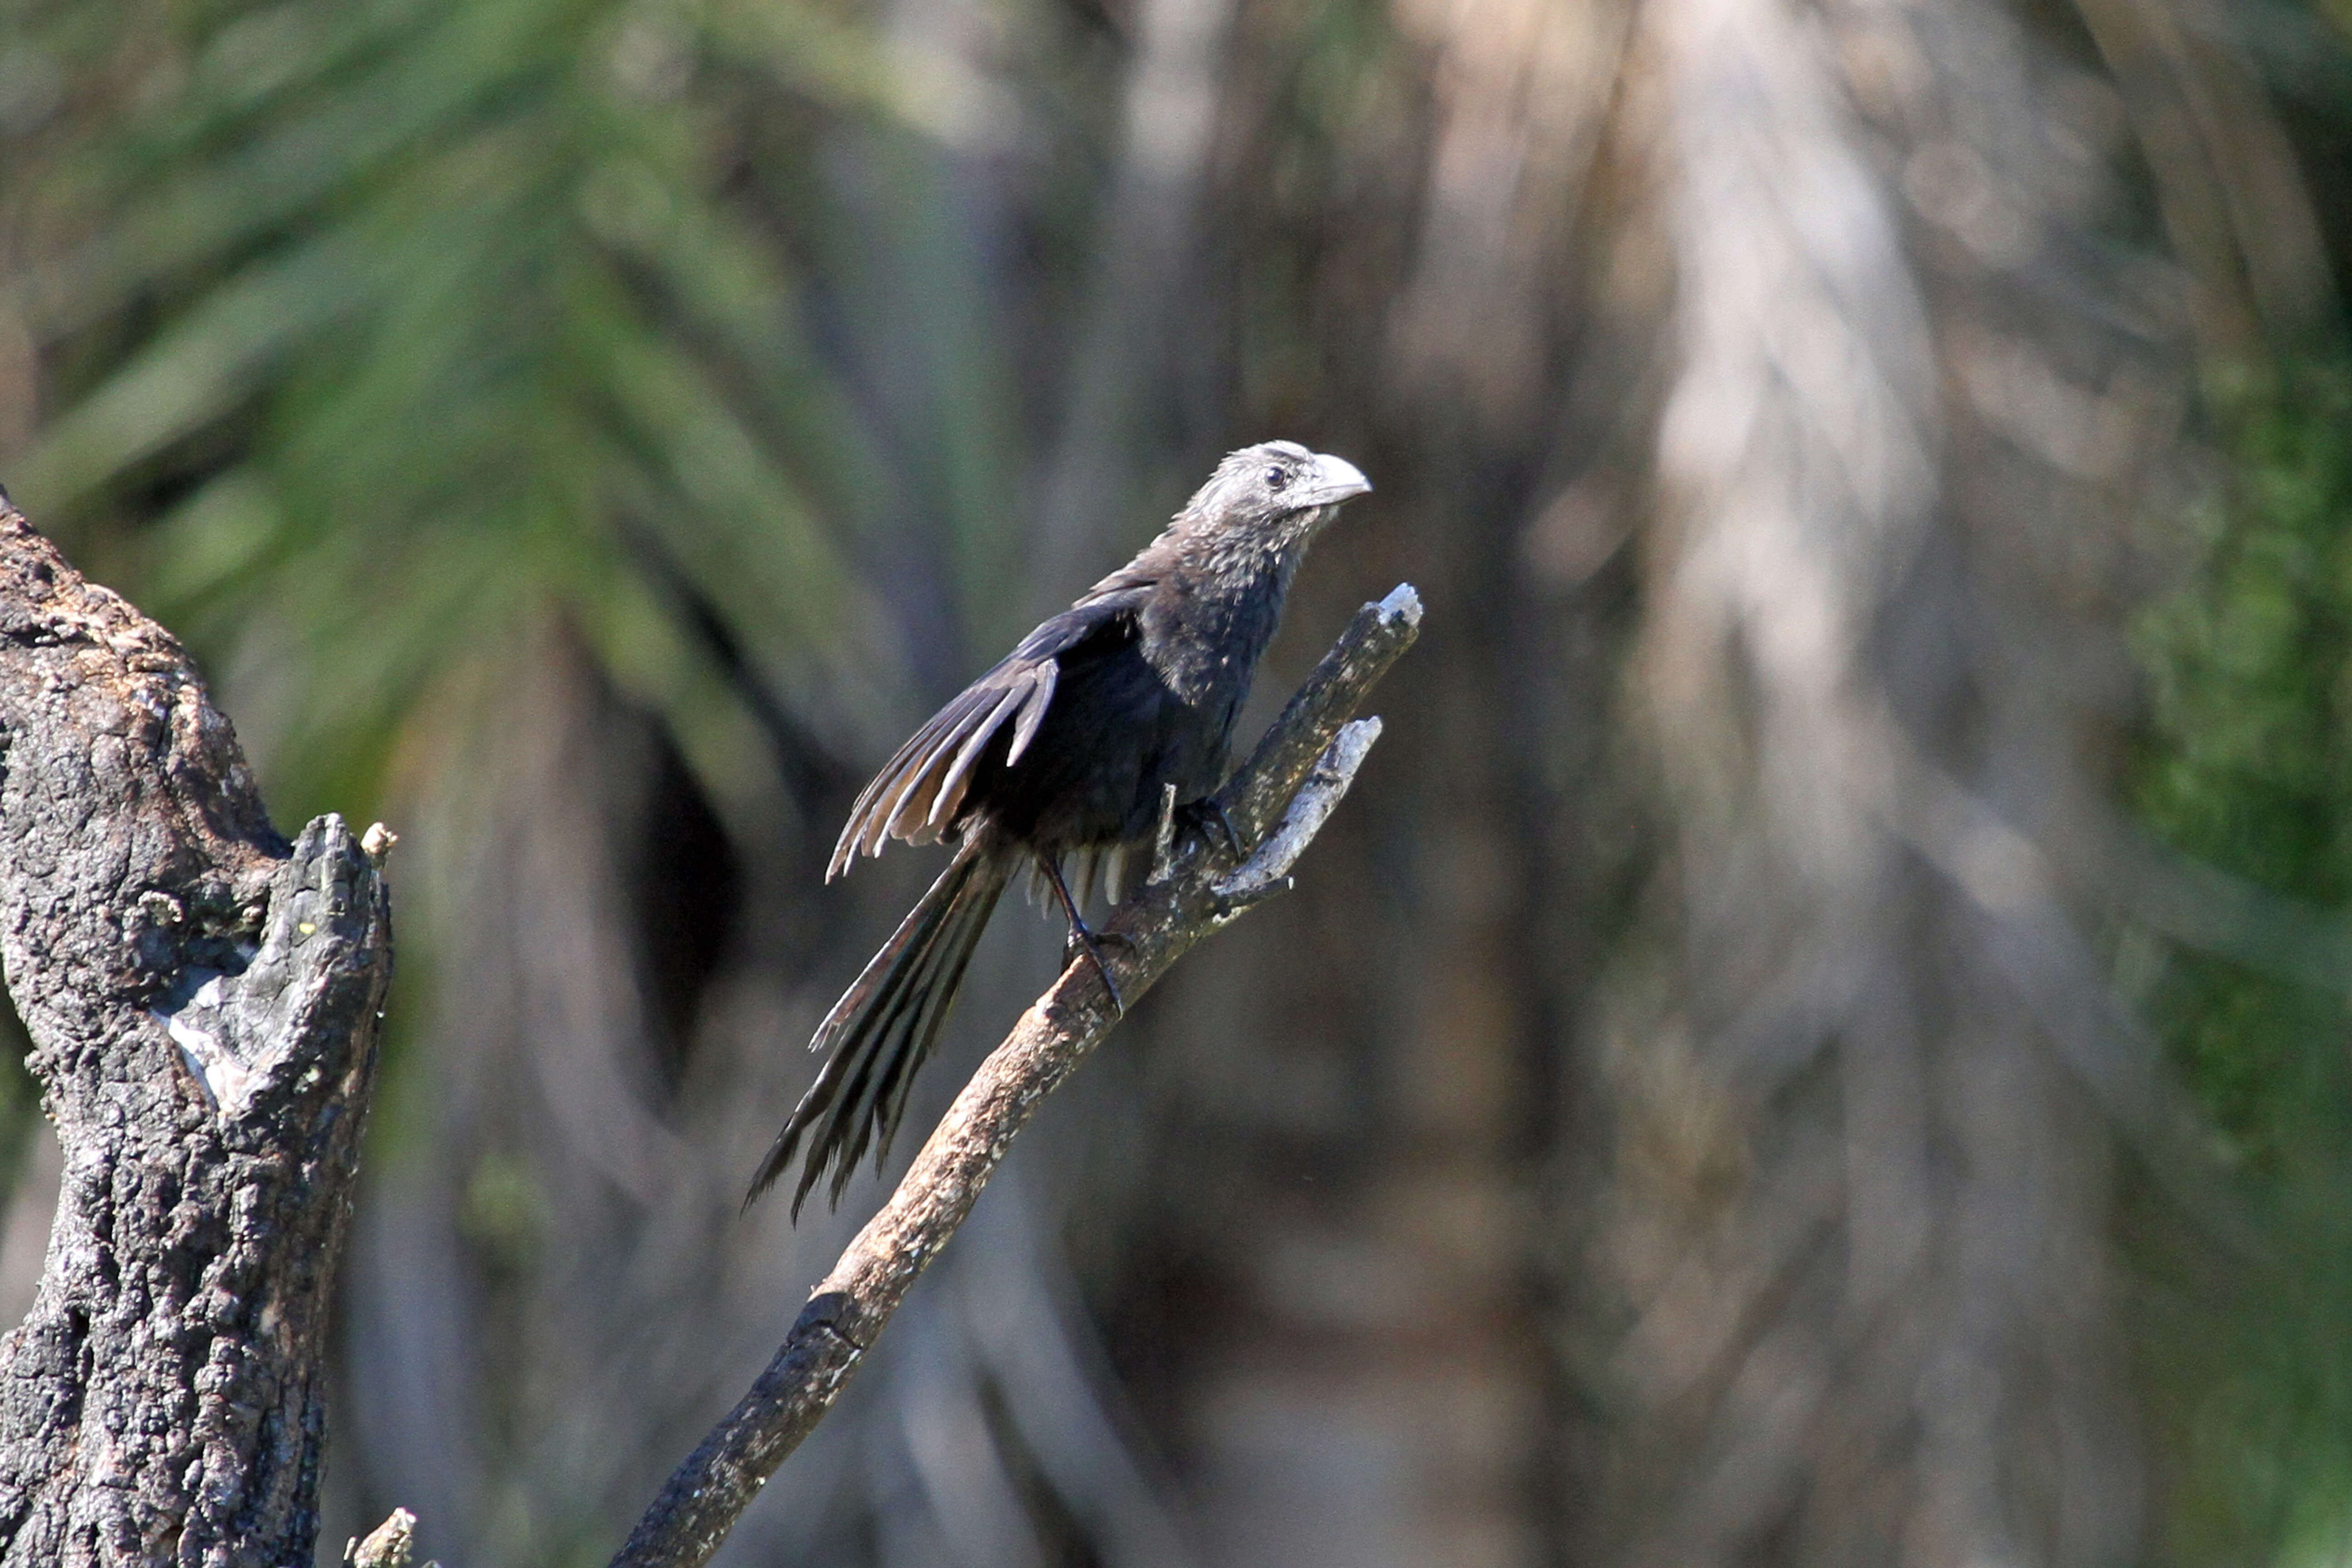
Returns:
(1821,1037)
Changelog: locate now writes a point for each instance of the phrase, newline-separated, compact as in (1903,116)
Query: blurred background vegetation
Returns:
(1822,1036)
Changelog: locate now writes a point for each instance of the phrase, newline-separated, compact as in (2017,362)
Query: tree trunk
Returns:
(203,1000)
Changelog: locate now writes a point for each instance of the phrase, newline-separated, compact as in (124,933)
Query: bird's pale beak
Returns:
(1336,479)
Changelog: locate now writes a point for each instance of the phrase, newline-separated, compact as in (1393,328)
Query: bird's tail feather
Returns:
(883,1028)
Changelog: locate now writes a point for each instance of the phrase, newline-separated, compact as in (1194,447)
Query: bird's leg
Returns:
(1209,812)
(1080,936)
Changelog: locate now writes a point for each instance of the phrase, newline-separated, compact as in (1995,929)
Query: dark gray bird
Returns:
(1061,753)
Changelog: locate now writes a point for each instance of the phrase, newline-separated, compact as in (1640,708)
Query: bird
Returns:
(1060,756)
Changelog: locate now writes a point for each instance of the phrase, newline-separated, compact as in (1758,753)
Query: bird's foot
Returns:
(1089,942)
(1081,936)
(1117,939)
(1206,816)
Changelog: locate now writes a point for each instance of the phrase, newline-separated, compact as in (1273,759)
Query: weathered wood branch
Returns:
(203,999)
(1280,797)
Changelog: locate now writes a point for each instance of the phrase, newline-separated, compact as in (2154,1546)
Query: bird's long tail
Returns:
(879,1032)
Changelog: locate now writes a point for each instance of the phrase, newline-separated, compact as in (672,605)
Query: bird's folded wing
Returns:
(916,795)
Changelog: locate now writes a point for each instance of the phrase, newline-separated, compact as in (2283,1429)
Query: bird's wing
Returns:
(916,795)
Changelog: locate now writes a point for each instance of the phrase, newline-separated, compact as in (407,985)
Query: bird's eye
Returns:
(1278,479)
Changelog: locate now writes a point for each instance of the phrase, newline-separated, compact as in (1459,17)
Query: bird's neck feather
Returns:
(1230,584)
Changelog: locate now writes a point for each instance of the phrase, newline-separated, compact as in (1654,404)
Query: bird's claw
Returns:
(1089,942)
(1207,814)
(1082,936)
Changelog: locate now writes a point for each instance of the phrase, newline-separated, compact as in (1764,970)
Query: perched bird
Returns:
(1062,752)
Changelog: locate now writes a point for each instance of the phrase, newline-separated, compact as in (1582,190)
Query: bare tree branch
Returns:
(203,999)
(1296,774)
(391,1544)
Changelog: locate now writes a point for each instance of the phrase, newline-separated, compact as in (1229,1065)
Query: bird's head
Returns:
(1275,489)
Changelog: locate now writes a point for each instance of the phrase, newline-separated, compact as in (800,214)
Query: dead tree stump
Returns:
(203,1000)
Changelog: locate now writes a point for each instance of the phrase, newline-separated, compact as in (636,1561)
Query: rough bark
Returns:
(1275,802)
(203,1000)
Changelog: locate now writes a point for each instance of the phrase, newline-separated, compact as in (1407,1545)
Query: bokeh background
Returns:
(1821,1036)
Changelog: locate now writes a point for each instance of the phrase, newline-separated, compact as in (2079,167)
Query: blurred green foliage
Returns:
(2247,766)
(391,326)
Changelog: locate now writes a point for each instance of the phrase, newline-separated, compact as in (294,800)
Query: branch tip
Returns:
(388,1545)
(1403,604)
(1268,871)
